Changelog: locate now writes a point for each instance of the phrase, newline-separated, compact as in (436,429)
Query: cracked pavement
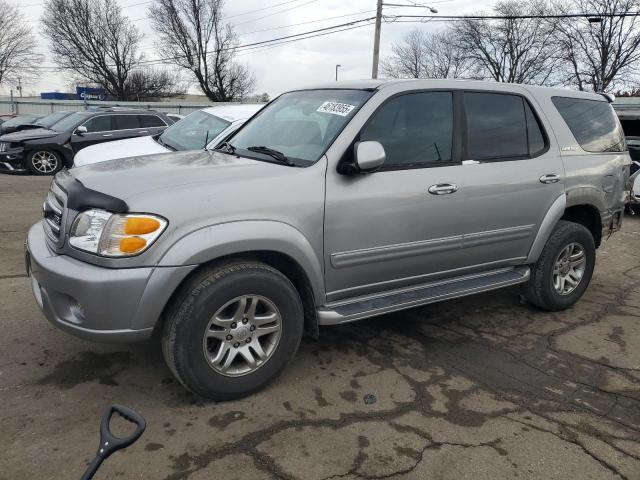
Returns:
(481,387)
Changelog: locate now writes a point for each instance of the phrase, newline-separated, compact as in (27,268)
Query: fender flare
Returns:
(216,241)
(550,220)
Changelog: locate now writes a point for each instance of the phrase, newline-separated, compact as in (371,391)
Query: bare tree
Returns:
(149,84)
(18,57)
(426,55)
(600,55)
(93,40)
(195,38)
(510,49)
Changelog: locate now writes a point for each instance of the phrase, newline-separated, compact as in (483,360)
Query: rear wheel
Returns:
(232,329)
(43,162)
(564,269)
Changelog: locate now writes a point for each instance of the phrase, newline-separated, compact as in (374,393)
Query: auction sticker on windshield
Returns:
(335,108)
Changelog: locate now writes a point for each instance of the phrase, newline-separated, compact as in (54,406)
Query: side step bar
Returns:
(372,305)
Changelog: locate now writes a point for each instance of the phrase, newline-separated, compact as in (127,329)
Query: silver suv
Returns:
(332,204)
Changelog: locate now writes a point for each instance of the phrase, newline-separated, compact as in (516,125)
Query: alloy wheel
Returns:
(44,162)
(242,335)
(569,268)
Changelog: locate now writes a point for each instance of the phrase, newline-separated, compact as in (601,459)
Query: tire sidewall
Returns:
(574,234)
(196,312)
(34,171)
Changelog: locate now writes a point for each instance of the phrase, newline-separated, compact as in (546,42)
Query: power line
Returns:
(261,9)
(520,17)
(282,40)
(276,13)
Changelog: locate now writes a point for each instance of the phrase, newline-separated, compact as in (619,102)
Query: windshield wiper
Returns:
(226,147)
(279,156)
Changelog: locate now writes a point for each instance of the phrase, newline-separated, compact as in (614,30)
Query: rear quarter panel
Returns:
(597,179)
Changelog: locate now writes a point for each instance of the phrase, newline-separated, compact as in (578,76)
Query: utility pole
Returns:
(19,87)
(376,41)
(337,67)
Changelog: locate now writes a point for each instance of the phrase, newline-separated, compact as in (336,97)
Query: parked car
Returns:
(17,123)
(634,193)
(45,151)
(199,130)
(332,204)
(630,121)
(5,117)
(47,121)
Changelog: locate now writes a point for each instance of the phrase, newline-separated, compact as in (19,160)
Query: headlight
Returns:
(115,235)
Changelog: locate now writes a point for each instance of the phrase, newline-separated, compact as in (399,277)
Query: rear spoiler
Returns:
(609,96)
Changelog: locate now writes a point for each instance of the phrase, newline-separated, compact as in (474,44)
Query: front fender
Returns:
(216,241)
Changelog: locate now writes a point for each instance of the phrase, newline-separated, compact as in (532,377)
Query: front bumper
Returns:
(12,161)
(101,304)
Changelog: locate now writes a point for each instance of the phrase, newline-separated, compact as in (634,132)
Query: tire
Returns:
(191,356)
(540,290)
(43,162)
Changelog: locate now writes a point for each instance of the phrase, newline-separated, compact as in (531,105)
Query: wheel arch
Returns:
(585,214)
(273,243)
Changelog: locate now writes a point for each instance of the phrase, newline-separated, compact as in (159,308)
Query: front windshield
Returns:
(51,119)
(301,125)
(69,122)
(194,131)
(21,120)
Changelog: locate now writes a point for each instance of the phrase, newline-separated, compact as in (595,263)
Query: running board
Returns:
(372,305)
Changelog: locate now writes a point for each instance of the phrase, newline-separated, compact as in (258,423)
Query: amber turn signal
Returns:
(132,244)
(141,225)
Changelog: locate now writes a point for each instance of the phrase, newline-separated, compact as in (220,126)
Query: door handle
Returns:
(550,178)
(144,131)
(442,188)
(107,134)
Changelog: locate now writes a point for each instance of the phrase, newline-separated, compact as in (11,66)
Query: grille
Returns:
(4,146)
(53,211)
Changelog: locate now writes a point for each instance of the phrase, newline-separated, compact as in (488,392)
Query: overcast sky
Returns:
(278,69)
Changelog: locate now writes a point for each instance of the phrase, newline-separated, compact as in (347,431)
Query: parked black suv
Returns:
(18,123)
(44,151)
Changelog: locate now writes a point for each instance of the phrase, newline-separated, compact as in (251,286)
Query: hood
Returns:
(134,176)
(131,147)
(30,134)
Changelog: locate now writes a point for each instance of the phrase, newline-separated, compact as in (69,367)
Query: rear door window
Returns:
(501,127)
(150,121)
(127,122)
(593,123)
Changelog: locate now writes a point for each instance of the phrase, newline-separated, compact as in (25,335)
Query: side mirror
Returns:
(368,157)
(81,130)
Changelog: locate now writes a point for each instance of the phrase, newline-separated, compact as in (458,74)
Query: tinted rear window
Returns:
(126,122)
(593,123)
(151,121)
(501,126)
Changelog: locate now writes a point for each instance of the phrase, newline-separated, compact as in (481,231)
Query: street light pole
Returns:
(376,41)
(337,67)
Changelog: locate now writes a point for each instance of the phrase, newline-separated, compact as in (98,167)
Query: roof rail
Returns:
(609,96)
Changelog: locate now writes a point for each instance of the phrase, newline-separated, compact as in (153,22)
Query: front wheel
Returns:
(44,162)
(564,269)
(232,329)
